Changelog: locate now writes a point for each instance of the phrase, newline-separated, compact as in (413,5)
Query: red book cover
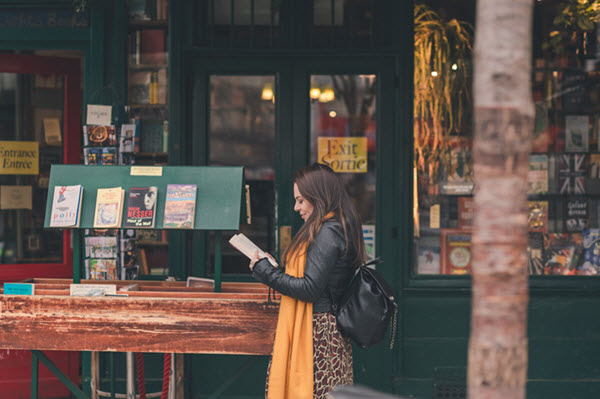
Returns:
(456,251)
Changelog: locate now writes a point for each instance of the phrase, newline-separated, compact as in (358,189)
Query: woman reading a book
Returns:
(310,356)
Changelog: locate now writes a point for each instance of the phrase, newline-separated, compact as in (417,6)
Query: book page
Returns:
(248,248)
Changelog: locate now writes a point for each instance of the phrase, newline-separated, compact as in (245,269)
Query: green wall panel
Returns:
(561,358)
(564,316)
(436,316)
(421,356)
(563,389)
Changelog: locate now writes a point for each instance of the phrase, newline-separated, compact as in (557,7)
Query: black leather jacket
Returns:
(327,267)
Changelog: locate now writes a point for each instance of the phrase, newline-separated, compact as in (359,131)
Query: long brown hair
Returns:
(320,186)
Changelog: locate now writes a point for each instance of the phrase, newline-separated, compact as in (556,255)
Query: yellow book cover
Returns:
(109,207)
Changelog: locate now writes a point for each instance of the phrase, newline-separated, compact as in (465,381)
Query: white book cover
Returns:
(66,206)
(577,133)
(248,248)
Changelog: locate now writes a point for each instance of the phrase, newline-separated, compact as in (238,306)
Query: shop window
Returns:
(31,139)
(343,136)
(564,182)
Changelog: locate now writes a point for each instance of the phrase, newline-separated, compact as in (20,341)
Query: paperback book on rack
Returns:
(180,206)
(109,208)
(141,207)
(66,206)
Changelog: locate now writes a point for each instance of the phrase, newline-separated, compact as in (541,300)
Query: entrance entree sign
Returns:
(344,154)
(19,158)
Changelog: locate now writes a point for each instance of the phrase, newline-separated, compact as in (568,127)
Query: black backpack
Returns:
(366,308)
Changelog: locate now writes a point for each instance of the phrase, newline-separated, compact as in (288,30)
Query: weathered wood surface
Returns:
(183,325)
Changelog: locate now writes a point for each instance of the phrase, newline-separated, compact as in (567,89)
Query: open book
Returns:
(248,248)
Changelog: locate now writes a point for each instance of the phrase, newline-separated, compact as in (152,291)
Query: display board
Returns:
(218,197)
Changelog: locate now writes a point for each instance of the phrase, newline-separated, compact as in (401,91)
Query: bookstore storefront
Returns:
(274,86)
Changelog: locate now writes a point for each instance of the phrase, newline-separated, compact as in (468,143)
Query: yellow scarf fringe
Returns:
(291,375)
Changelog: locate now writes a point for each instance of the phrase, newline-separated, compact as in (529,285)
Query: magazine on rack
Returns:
(248,248)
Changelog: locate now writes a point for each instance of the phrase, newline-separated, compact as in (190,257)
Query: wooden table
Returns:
(155,317)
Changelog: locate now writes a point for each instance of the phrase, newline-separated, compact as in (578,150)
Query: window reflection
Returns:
(242,133)
(31,139)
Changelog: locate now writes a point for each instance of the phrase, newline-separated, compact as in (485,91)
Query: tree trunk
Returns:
(503,124)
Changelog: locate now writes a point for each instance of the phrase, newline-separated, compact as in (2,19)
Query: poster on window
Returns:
(369,239)
(344,154)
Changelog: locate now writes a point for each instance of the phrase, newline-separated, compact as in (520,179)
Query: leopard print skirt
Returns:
(332,355)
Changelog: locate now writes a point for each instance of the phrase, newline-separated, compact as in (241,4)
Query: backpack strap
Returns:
(373,262)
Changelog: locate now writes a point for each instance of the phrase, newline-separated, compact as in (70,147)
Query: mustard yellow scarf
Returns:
(291,374)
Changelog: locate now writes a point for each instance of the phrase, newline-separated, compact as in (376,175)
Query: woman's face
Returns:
(149,199)
(302,206)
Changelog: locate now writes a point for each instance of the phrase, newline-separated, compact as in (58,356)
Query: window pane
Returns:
(242,133)
(31,109)
(343,136)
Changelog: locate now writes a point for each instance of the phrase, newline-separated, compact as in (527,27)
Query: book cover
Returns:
(465,212)
(576,215)
(562,253)
(455,251)
(537,176)
(573,85)
(92,289)
(538,216)
(593,176)
(92,156)
(535,245)
(66,206)
(52,131)
(99,136)
(577,133)
(458,173)
(108,156)
(101,269)
(428,259)
(127,137)
(109,206)
(553,160)
(591,253)
(101,247)
(141,207)
(152,136)
(572,172)
(180,206)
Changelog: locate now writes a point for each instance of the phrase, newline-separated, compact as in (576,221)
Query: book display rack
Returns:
(176,317)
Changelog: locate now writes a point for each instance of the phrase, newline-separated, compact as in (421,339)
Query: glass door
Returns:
(242,132)
(234,115)
(40,103)
(343,128)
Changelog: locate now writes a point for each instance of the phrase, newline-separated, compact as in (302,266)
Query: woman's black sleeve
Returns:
(320,260)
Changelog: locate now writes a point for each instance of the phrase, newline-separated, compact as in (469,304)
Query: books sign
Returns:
(19,158)
(344,154)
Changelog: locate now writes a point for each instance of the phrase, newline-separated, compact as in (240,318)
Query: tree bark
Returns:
(497,364)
